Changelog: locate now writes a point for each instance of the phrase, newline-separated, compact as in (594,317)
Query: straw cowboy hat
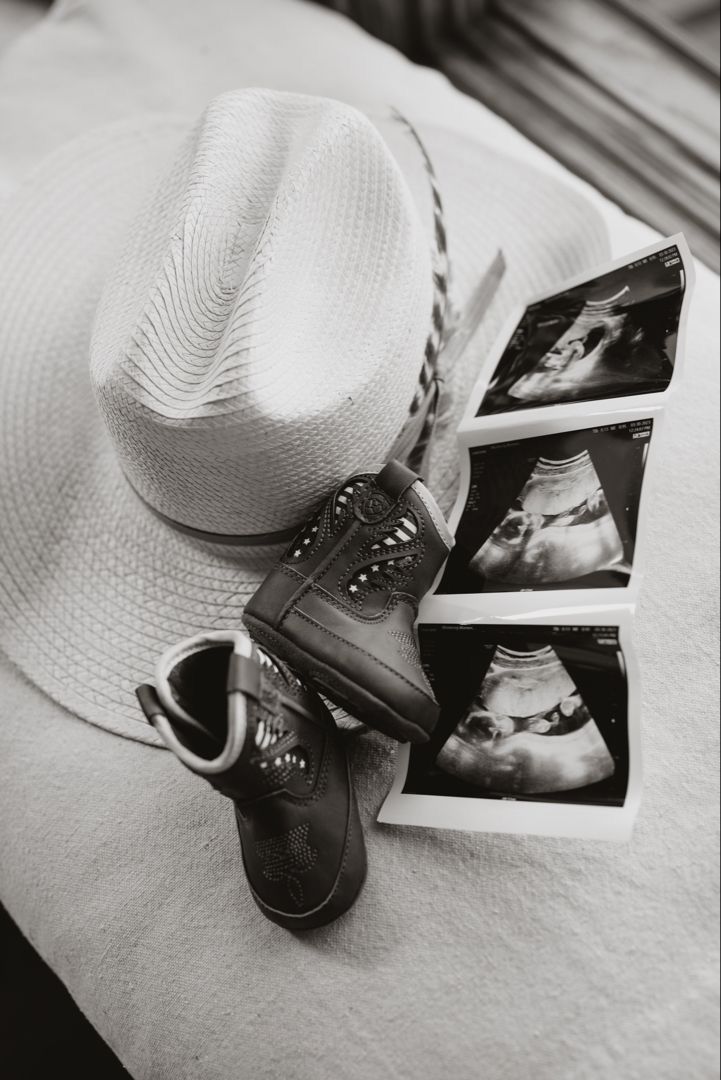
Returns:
(203,329)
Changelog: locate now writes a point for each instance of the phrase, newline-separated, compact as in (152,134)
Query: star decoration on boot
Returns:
(284,857)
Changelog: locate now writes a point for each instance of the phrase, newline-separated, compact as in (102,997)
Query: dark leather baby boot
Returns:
(244,722)
(341,605)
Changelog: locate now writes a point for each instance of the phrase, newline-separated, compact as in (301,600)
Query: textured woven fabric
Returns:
(467,955)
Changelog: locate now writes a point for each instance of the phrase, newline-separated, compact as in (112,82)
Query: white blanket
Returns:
(467,956)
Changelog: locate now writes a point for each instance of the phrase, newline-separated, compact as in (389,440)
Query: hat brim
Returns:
(93,586)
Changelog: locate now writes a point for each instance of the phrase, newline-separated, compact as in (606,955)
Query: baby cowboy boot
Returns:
(342,603)
(245,723)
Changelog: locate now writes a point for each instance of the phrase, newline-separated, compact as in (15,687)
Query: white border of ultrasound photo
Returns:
(570,820)
(583,408)
(538,601)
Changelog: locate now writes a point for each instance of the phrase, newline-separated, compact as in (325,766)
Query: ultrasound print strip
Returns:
(538,732)
(551,512)
(615,335)
(527,711)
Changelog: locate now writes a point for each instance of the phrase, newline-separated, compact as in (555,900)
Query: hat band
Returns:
(410,448)
(282,536)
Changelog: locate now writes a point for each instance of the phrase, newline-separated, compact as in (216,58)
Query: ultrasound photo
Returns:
(537,713)
(613,336)
(551,512)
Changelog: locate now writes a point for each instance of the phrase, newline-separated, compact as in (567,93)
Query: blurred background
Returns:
(413,25)
(623,92)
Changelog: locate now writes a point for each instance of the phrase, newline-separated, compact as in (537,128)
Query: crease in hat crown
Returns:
(262,333)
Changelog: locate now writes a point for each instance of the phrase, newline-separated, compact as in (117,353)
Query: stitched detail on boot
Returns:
(326,521)
(351,645)
(358,616)
(344,498)
(407,647)
(404,530)
(372,505)
(383,575)
(294,575)
(386,560)
(305,543)
(283,858)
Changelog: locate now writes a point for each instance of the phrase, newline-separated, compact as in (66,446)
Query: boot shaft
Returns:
(377,539)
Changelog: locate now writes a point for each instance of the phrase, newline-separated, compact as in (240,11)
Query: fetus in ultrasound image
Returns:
(575,361)
(558,528)
(528,730)
(610,337)
(534,712)
(551,512)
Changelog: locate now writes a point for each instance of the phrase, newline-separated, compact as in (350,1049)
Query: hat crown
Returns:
(263,332)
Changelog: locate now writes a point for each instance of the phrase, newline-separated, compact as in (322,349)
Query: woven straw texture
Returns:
(263,331)
(94,585)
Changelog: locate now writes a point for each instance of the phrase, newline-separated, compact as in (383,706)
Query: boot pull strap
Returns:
(152,707)
(395,479)
(244,676)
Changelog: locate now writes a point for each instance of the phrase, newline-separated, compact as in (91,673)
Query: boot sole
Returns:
(341,690)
